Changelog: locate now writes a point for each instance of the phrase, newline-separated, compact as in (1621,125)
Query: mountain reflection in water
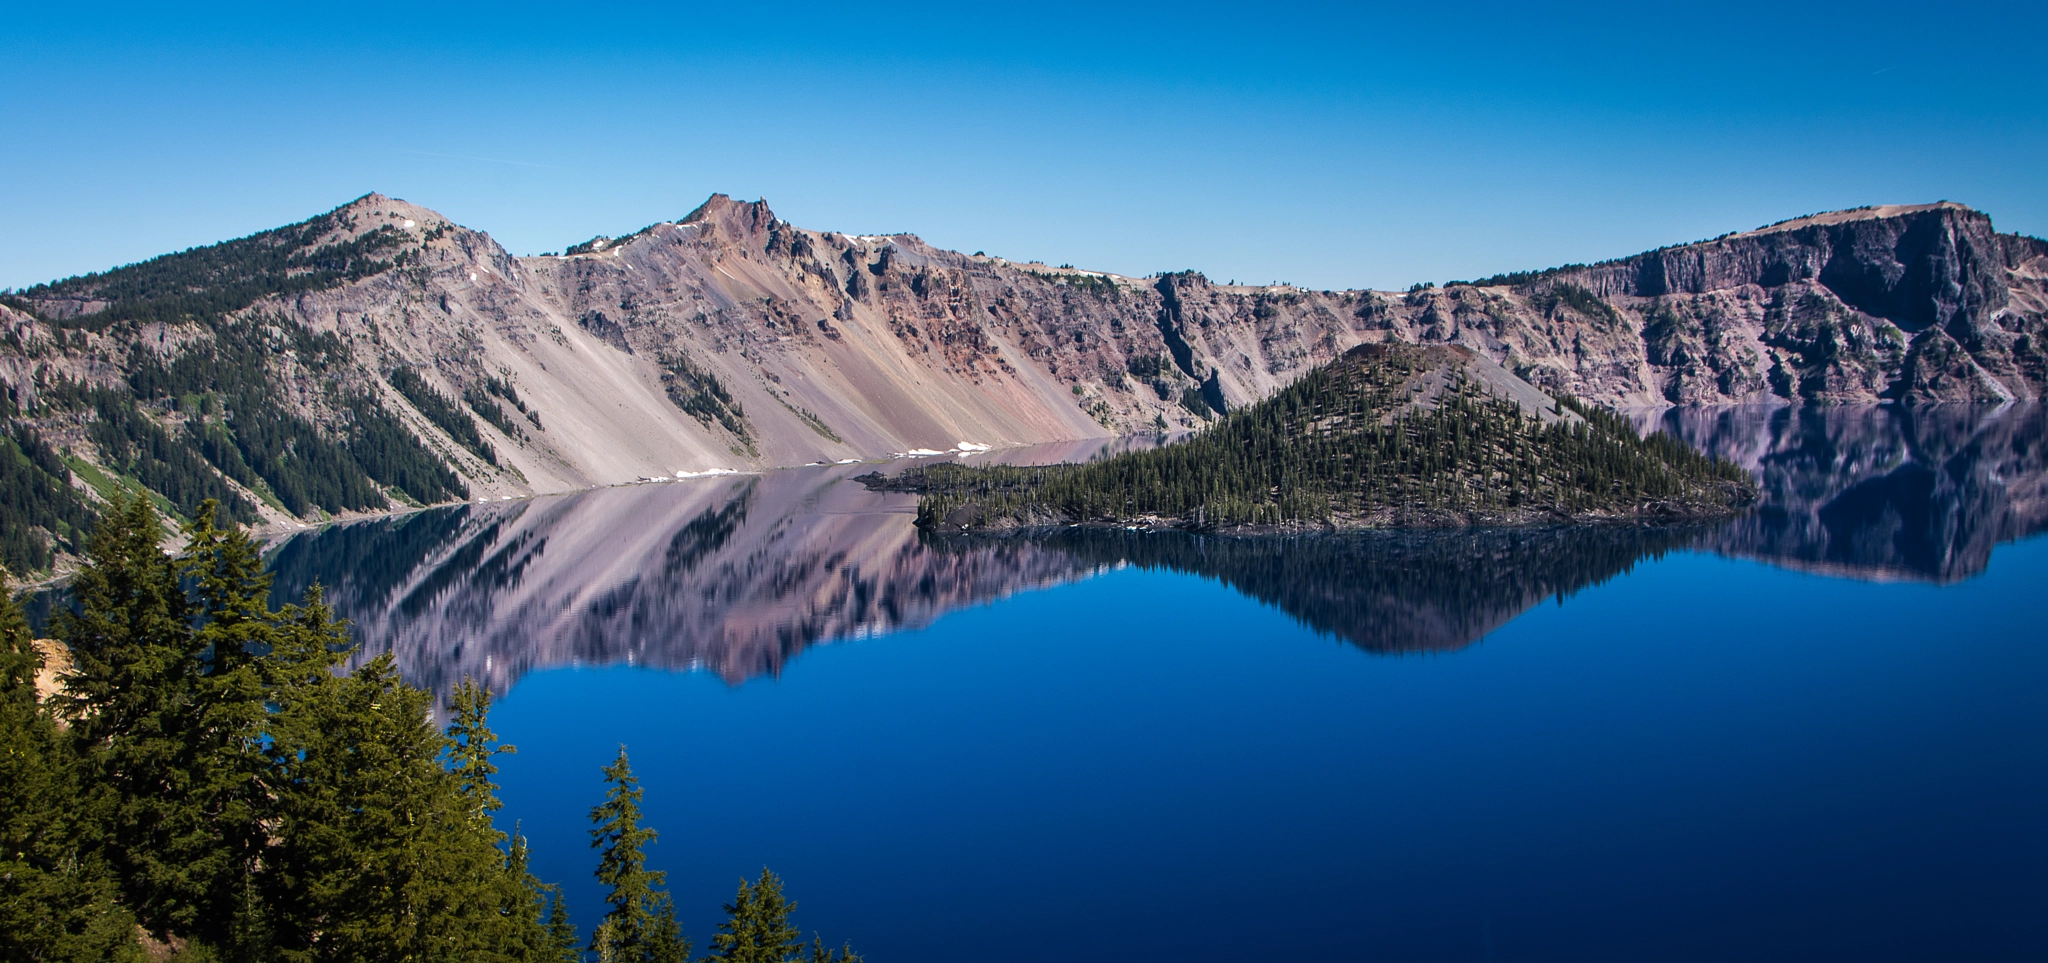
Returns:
(1880,492)
(738,575)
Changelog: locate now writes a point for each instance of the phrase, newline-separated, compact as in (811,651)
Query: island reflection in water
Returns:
(738,575)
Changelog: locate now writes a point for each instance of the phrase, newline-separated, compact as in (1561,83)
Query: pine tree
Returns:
(474,744)
(524,901)
(640,924)
(844,954)
(562,943)
(220,780)
(378,853)
(665,942)
(756,928)
(134,700)
(225,743)
(57,902)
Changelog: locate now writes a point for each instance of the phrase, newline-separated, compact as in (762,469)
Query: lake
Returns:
(1817,731)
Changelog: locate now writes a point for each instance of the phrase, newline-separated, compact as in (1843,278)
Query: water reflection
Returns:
(1385,592)
(1880,492)
(739,575)
(736,576)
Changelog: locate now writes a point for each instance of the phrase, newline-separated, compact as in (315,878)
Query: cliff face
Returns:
(731,339)
(1923,303)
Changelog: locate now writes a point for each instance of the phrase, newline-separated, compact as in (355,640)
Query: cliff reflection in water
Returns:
(736,576)
(1880,492)
(739,575)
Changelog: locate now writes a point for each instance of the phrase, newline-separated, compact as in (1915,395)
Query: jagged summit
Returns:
(718,217)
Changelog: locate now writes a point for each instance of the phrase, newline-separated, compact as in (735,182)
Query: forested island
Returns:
(191,779)
(1387,436)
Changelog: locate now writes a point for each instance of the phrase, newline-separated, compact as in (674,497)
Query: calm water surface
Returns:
(1817,732)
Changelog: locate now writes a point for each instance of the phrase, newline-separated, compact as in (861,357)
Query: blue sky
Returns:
(1332,146)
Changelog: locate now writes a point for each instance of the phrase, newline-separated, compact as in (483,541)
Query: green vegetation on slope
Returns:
(135,445)
(209,282)
(479,398)
(702,396)
(221,377)
(442,412)
(35,497)
(307,468)
(1358,442)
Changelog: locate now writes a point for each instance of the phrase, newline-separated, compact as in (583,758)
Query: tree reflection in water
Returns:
(739,575)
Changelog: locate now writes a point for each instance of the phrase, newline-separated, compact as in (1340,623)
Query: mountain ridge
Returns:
(733,340)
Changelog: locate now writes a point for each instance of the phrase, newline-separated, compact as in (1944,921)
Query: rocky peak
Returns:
(731,219)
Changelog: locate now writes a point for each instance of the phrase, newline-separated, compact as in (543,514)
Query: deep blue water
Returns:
(1705,759)
(1815,731)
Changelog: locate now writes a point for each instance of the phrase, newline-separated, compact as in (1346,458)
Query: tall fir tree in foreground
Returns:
(208,777)
(169,714)
(640,924)
(58,902)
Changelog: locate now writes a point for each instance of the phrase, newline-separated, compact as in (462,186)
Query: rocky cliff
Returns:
(381,353)
(1923,303)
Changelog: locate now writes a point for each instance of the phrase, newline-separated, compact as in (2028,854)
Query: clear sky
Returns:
(1331,146)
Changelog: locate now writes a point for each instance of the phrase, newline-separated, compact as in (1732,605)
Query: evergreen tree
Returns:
(225,743)
(134,698)
(844,954)
(518,933)
(536,924)
(562,943)
(640,924)
(473,746)
(665,942)
(378,854)
(756,928)
(225,786)
(57,902)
